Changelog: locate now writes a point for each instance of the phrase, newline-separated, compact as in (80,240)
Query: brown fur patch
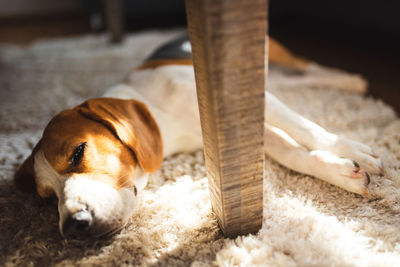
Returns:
(133,124)
(152,64)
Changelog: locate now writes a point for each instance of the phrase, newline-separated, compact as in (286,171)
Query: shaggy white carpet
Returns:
(307,222)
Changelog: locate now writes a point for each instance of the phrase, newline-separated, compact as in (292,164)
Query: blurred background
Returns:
(360,36)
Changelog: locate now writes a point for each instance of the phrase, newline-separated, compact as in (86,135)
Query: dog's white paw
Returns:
(343,172)
(360,153)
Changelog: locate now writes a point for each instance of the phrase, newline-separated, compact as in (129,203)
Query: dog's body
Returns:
(97,156)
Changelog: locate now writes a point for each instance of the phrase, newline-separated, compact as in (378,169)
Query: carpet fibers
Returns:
(307,222)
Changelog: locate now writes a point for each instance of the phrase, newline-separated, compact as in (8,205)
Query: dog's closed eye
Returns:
(77,155)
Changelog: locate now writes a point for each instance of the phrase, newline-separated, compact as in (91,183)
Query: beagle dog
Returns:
(96,157)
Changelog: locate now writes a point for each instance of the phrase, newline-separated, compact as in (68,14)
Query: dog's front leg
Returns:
(314,137)
(341,172)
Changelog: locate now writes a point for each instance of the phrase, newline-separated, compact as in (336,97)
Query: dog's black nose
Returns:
(77,226)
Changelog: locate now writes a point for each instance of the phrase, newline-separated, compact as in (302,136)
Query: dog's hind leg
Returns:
(341,172)
(312,74)
(280,55)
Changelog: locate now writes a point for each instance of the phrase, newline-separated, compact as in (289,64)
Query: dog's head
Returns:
(94,158)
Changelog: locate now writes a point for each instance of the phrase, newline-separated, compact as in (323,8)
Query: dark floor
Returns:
(376,56)
(25,30)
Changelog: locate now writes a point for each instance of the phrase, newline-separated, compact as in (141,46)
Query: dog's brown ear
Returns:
(132,123)
(24,178)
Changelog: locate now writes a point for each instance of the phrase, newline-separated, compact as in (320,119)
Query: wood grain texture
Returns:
(228,48)
(115,19)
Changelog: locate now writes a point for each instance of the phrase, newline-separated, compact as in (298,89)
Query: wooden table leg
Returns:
(228,48)
(114,19)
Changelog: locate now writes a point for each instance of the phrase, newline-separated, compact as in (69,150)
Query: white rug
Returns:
(307,222)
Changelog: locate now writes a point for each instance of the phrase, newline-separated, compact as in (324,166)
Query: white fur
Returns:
(141,179)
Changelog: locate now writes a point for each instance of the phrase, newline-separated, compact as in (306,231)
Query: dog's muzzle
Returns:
(91,209)
(78,225)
